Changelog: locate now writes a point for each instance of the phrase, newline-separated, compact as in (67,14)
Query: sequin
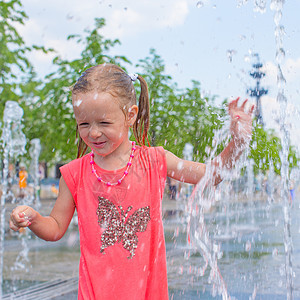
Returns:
(119,228)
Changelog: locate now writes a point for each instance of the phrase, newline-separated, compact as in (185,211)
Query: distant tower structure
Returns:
(258,91)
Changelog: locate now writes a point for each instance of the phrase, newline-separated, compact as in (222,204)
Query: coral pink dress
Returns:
(123,253)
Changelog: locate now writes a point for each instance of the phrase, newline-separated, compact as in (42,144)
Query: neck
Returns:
(115,160)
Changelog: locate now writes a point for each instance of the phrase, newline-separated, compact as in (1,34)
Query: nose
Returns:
(95,131)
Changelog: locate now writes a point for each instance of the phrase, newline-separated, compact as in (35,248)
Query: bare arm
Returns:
(50,228)
(184,170)
(241,131)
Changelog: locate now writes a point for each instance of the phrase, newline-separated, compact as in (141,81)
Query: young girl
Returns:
(117,188)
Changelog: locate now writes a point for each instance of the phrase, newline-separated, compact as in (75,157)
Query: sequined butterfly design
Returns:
(119,228)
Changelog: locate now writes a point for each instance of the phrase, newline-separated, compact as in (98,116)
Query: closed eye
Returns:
(83,124)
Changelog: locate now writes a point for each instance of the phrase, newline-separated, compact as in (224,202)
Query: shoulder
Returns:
(75,166)
(158,152)
(76,162)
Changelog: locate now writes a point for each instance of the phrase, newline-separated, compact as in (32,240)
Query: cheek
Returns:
(83,132)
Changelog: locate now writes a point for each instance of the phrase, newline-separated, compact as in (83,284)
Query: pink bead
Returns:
(99,179)
(108,184)
(119,181)
(92,162)
(129,164)
(131,155)
(126,173)
(133,148)
(92,154)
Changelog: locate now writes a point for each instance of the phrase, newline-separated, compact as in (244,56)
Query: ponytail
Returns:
(142,123)
(81,145)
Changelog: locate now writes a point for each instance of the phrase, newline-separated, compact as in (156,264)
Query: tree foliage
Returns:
(15,67)
(266,147)
(56,125)
(178,116)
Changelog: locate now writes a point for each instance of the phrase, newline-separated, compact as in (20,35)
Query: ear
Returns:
(132,115)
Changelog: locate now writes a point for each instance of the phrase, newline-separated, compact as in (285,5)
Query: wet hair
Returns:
(109,78)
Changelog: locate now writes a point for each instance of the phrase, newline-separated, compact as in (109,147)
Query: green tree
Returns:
(161,95)
(266,147)
(55,125)
(199,120)
(178,117)
(15,67)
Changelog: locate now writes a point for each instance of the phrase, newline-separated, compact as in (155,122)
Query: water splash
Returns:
(199,4)
(13,144)
(35,151)
(277,6)
(202,199)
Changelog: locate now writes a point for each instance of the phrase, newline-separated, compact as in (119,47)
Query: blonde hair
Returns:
(109,78)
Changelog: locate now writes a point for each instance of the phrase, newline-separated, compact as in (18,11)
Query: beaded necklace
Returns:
(108,183)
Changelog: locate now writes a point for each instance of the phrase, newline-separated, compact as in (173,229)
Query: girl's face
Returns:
(101,123)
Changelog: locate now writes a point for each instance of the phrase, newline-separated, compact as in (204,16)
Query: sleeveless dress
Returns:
(122,245)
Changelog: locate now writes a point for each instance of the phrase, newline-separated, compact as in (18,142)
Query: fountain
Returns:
(13,144)
(201,236)
(236,248)
(34,151)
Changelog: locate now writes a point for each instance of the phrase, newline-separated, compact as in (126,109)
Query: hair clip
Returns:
(133,77)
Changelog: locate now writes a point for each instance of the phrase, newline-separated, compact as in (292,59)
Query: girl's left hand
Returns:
(241,122)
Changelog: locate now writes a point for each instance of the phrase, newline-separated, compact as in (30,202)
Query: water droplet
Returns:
(69,17)
(277,17)
(275,252)
(260,6)
(248,246)
(276,5)
(247,58)
(199,4)
(242,2)
(230,54)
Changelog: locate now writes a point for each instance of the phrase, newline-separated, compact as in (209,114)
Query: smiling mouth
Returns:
(99,144)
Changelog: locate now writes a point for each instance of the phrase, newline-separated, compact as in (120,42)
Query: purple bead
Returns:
(119,181)
(99,179)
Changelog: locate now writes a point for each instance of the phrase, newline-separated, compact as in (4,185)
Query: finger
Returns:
(244,104)
(233,104)
(251,110)
(20,219)
(25,214)
(17,225)
(13,226)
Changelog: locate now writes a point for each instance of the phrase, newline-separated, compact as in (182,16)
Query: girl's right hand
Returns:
(21,216)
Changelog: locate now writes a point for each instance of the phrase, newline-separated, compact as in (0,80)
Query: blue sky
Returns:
(194,39)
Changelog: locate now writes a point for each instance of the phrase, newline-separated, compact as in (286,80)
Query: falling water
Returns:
(277,6)
(13,144)
(34,151)
(203,197)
